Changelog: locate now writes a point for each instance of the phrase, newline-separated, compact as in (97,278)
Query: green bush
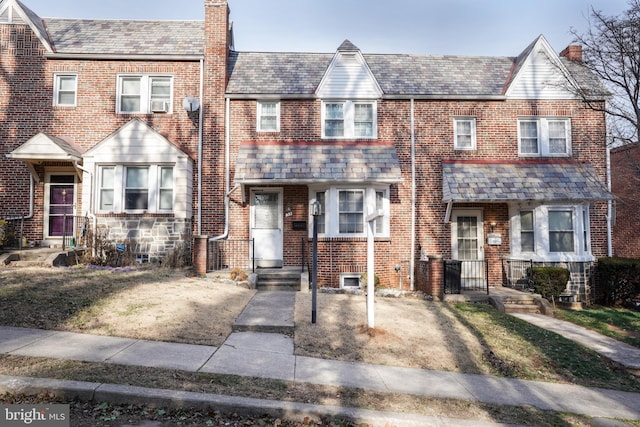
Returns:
(550,282)
(619,280)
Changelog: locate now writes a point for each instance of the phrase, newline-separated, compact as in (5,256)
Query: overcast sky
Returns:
(456,27)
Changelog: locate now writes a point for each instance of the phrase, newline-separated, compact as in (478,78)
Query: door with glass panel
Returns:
(468,246)
(60,204)
(266,227)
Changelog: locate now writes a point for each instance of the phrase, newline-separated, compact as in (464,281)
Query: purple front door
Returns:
(61,201)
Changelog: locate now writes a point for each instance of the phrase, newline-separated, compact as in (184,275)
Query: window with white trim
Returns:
(464,133)
(144,94)
(551,232)
(349,119)
(268,114)
(148,188)
(544,137)
(65,89)
(344,210)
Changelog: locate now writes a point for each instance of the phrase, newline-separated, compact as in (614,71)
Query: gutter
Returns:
(413,199)
(227,173)
(609,206)
(200,122)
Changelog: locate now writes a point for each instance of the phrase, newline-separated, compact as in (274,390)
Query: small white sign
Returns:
(494,239)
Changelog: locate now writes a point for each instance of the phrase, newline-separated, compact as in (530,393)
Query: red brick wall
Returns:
(625,184)
(497,139)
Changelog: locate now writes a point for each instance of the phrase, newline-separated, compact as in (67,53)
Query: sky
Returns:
(440,27)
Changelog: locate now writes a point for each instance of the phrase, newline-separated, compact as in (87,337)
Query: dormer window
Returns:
(349,119)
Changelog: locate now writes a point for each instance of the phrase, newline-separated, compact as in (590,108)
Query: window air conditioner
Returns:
(159,106)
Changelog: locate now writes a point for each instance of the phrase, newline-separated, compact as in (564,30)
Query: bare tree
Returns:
(611,50)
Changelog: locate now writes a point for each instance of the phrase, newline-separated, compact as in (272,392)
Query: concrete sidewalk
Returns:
(271,355)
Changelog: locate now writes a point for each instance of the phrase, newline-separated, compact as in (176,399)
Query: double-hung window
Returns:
(268,116)
(144,94)
(551,232)
(464,133)
(544,137)
(344,210)
(351,211)
(136,193)
(65,90)
(349,119)
(149,188)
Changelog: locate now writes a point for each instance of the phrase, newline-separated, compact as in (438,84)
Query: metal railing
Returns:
(75,231)
(228,254)
(518,273)
(466,275)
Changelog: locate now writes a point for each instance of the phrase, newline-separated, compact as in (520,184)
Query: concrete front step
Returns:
(521,308)
(278,281)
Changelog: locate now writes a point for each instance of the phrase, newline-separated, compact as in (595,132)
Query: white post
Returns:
(371,220)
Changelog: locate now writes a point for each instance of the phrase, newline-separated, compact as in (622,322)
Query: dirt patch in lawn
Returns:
(150,303)
(410,332)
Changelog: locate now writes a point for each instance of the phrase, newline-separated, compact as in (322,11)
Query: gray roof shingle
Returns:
(300,163)
(468,181)
(125,37)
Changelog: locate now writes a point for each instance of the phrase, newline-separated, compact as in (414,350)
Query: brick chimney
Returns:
(217,43)
(572,53)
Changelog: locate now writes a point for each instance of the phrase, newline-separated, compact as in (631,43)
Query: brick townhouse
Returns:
(625,177)
(161,131)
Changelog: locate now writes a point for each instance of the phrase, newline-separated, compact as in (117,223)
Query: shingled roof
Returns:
(502,181)
(125,37)
(304,163)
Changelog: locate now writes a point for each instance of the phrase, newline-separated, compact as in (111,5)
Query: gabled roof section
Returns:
(126,37)
(538,73)
(43,147)
(14,12)
(349,76)
(135,141)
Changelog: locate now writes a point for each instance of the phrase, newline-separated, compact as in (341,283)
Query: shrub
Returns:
(3,232)
(619,280)
(176,257)
(238,275)
(364,283)
(550,282)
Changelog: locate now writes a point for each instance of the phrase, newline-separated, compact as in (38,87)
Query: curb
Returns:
(162,398)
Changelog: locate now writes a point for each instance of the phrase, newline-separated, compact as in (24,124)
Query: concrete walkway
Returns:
(270,355)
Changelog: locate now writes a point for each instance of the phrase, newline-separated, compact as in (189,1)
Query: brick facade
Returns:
(406,118)
(625,180)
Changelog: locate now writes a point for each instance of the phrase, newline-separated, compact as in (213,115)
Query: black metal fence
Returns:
(228,254)
(75,231)
(467,275)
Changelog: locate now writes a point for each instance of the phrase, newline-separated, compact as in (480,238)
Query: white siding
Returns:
(349,77)
(540,78)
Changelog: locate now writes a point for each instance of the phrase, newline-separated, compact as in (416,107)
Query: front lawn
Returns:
(617,323)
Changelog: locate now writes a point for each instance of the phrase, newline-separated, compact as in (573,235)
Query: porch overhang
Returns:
(520,181)
(47,148)
(313,163)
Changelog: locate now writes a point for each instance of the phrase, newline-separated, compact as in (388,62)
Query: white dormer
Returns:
(539,74)
(348,76)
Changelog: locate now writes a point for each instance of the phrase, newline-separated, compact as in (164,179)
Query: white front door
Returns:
(467,245)
(266,227)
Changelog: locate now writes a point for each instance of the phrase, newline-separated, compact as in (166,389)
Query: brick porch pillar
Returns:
(200,255)
(435,285)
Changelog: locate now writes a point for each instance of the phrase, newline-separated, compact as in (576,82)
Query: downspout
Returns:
(413,199)
(227,172)
(31,201)
(609,207)
(200,122)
